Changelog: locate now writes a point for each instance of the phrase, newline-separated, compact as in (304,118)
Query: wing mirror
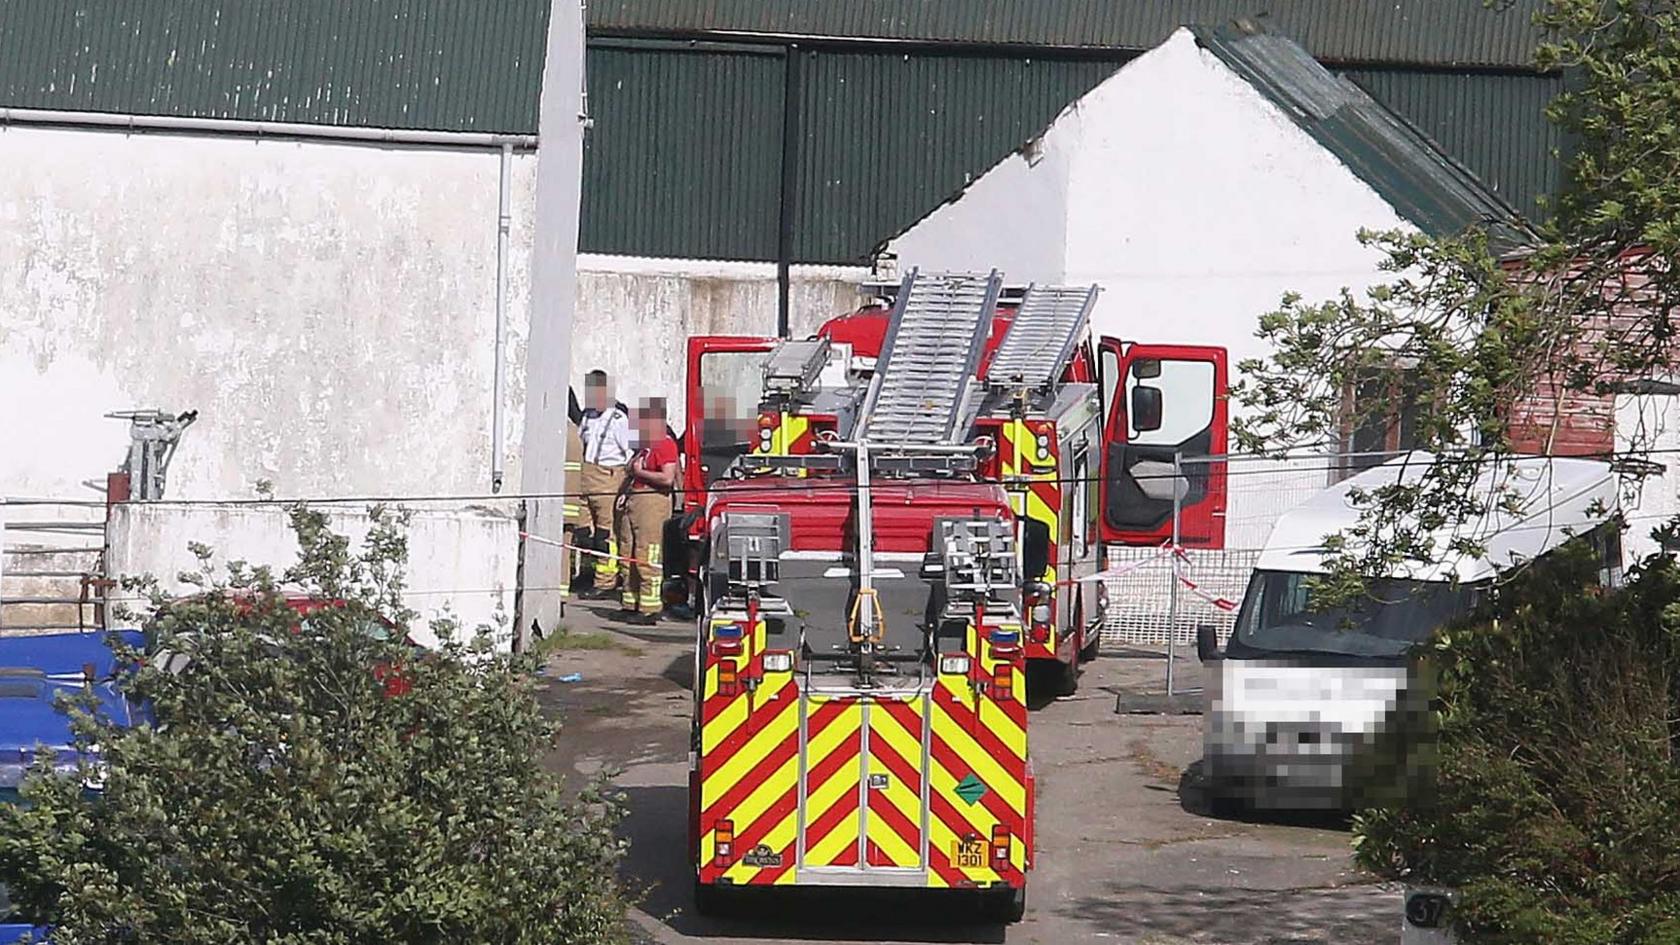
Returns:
(1207,643)
(1146,409)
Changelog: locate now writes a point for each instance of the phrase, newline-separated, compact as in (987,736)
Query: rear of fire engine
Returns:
(860,715)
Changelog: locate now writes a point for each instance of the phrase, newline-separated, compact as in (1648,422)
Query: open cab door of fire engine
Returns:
(1160,401)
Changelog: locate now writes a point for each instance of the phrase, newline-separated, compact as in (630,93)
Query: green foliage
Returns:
(291,794)
(1469,340)
(1558,795)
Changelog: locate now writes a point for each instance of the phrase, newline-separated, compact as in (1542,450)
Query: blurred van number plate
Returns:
(969,853)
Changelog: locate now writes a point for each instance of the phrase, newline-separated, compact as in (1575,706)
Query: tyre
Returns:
(1093,638)
(1065,676)
(710,900)
(1006,906)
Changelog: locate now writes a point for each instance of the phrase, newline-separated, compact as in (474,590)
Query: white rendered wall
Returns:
(462,563)
(1649,423)
(1193,201)
(328,308)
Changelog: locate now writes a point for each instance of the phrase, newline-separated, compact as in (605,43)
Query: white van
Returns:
(1306,705)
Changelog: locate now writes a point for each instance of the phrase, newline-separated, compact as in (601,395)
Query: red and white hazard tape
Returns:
(581,550)
(1181,557)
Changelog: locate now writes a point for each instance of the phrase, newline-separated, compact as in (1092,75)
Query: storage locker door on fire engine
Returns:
(895,816)
(831,775)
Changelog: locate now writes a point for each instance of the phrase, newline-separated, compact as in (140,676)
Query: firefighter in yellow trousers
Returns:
(645,507)
(571,563)
(604,429)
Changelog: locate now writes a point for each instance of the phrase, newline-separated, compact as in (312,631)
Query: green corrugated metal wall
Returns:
(887,138)
(455,65)
(685,153)
(1492,123)
(1426,32)
(684,158)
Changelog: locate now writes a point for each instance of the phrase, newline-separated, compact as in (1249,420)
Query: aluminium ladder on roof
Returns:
(925,374)
(1046,329)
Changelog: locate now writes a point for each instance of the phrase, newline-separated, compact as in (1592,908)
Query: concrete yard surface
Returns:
(1126,851)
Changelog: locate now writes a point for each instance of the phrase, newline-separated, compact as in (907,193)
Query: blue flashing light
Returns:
(727,631)
(1006,636)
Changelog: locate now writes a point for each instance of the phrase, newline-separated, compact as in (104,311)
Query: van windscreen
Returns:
(1279,615)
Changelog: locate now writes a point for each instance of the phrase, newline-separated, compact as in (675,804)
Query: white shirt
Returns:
(606,437)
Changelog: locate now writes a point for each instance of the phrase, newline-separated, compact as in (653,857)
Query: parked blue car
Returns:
(34,672)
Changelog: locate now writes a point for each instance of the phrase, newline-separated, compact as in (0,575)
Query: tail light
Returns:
(726,639)
(778,661)
(1039,611)
(1005,643)
(723,842)
(766,431)
(729,683)
(1000,847)
(1003,681)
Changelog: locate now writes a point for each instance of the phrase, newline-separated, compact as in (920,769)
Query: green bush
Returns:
(1557,812)
(291,794)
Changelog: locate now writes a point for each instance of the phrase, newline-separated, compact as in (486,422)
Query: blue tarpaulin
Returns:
(62,654)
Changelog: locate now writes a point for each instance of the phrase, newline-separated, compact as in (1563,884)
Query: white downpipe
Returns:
(281,129)
(504,219)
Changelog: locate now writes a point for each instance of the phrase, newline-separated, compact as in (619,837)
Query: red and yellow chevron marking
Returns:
(864,808)
(833,776)
(748,766)
(976,732)
(895,782)
(1035,491)
(791,435)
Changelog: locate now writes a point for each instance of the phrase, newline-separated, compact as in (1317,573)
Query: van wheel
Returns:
(1006,906)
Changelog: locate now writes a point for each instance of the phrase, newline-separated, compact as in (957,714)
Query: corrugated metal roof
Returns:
(1494,124)
(1430,32)
(454,65)
(1399,161)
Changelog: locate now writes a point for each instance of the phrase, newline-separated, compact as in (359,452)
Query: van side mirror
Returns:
(1146,409)
(1207,643)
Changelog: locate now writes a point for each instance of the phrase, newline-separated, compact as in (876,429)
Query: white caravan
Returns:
(1310,707)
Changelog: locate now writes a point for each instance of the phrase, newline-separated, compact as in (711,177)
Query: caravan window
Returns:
(1278,614)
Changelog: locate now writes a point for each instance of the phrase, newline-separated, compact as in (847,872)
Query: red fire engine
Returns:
(1081,432)
(896,524)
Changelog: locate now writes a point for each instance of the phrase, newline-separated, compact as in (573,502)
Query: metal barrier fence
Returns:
(1260,489)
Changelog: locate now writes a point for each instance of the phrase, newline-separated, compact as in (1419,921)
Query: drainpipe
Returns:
(262,129)
(503,219)
(791,121)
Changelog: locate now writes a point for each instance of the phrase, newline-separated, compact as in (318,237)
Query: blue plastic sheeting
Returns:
(61,654)
(15,933)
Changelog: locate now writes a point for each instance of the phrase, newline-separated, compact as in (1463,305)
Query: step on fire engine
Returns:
(881,558)
(1080,431)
